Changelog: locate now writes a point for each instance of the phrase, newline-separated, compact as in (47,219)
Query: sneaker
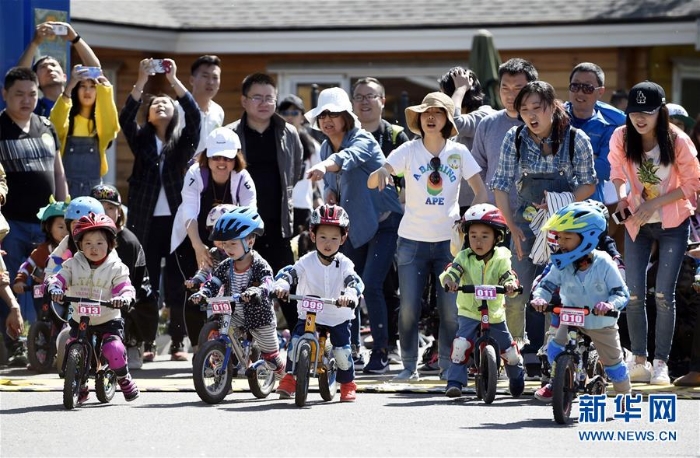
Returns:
(134,358)
(177,353)
(287,387)
(406,376)
(544,394)
(358,358)
(19,357)
(129,388)
(394,355)
(348,392)
(640,372)
(83,395)
(378,362)
(454,390)
(660,376)
(431,367)
(149,353)
(516,386)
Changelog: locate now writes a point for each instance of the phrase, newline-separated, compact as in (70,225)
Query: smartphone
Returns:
(91,72)
(59,29)
(158,66)
(620,217)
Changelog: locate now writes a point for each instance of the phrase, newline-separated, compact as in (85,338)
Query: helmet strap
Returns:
(330,258)
(487,256)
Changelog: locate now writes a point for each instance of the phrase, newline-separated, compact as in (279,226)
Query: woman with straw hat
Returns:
(434,167)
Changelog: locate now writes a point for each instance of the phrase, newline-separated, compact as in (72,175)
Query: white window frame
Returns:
(683,68)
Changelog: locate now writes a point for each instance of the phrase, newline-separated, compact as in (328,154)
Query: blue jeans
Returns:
(416,261)
(672,246)
(372,262)
(468,329)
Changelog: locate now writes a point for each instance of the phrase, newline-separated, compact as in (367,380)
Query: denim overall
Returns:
(531,188)
(81,162)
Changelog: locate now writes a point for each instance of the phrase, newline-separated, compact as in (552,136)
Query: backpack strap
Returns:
(518,142)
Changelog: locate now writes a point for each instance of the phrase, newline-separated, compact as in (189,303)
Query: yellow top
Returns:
(106,118)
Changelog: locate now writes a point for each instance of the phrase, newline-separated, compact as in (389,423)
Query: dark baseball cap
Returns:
(645,97)
(291,99)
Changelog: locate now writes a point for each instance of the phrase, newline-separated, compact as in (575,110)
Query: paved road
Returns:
(416,419)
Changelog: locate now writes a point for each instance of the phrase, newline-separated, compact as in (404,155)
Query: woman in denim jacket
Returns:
(348,157)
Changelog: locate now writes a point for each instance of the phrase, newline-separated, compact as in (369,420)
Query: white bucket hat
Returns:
(222,141)
(335,100)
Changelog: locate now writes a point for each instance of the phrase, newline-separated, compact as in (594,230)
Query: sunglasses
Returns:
(585,88)
(328,114)
(222,158)
(290,112)
(435,174)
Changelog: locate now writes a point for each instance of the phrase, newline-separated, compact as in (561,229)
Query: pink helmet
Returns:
(485,214)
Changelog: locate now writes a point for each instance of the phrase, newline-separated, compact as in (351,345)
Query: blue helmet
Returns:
(83,205)
(583,218)
(238,224)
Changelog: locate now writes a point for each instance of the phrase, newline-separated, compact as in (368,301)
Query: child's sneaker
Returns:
(348,392)
(544,394)
(287,387)
(129,388)
(454,390)
(516,386)
(640,372)
(660,373)
(83,395)
(378,362)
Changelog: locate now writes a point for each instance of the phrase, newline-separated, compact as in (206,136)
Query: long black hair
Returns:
(75,110)
(548,97)
(634,150)
(172,133)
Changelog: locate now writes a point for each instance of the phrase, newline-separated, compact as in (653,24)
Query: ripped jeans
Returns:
(672,244)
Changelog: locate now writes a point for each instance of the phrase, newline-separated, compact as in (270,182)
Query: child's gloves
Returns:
(120,302)
(197,297)
(601,308)
(539,304)
(56,293)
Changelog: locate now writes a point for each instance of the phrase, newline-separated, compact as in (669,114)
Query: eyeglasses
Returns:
(220,158)
(328,114)
(586,88)
(290,112)
(260,99)
(435,174)
(368,97)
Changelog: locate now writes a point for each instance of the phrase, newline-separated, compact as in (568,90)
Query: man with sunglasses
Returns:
(597,119)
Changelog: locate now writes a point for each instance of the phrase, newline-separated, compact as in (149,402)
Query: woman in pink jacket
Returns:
(656,175)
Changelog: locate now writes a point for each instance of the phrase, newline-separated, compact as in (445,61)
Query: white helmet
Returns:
(216,212)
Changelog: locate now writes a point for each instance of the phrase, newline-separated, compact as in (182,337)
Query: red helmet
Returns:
(485,214)
(329,215)
(92,222)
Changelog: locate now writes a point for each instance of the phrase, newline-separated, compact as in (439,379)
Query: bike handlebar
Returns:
(325,300)
(74,300)
(557,308)
(469,289)
(233,298)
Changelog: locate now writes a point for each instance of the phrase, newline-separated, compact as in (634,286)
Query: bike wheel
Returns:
(212,380)
(40,351)
(105,385)
(261,381)
(563,388)
(303,368)
(489,373)
(210,331)
(75,367)
(327,384)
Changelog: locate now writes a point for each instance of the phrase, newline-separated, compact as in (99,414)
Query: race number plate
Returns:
(572,317)
(218,308)
(485,292)
(89,309)
(38,291)
(309,304)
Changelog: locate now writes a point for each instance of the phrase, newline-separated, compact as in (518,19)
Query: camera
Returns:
(620,217)
(90,72)
(59,29)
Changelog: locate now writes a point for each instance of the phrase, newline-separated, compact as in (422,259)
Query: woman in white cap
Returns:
(218,177)
(348,156)
(656,175)
(433,166)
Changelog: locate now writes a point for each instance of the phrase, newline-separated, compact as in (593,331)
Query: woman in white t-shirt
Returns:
(433,167)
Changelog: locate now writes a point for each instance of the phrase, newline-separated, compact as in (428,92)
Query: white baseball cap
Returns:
(222,141)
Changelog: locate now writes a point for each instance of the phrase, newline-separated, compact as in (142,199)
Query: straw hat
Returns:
(432,100)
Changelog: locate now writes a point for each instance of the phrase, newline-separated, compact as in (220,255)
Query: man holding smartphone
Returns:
(52,78)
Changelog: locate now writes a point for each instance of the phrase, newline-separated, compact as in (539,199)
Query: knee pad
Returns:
(553,350)
(343,357)
(617,373)
(461,350)
(512,355)
(114,351)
